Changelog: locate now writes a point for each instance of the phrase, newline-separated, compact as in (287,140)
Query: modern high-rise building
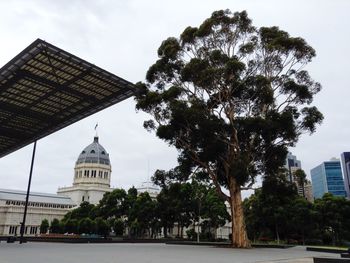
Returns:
(292,164)
(327,178)
(345,163)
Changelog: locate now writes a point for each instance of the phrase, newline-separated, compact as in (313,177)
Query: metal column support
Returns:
(27,196)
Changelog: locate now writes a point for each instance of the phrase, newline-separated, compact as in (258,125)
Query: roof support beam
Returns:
(59,87)
(10,133)
(25,112)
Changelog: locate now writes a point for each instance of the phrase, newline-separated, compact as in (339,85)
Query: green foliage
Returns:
(231,98)
(113,204)
(300,176)
(333,213)
(304,218)
(71,226)
(277,212)
(102,227)
(224,78)
(118,227)
(269,210)
(86,226)
(44,226)
(191,234)
(185,202)
(140,214)
(206,236)
(83,211)
(214,210)
(166,209)
(176,204)
(55,226)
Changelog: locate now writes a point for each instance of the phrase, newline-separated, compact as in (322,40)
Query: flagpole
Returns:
(96,135)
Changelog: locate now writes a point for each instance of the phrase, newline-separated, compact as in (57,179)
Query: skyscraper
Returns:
(345,163)
(292,164)
(327,178)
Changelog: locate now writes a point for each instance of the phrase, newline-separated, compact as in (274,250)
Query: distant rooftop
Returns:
(148,187)
(19,195)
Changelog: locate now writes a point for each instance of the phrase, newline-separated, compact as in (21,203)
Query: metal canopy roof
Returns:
(44,89)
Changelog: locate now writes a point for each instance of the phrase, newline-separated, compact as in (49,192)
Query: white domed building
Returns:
(150,188)
(92,175)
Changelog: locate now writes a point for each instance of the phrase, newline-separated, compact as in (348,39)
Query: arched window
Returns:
(92,151)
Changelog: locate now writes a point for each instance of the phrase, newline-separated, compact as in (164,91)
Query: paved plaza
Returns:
(147,253)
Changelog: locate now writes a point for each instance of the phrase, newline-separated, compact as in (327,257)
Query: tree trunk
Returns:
(239,233)
(165,232)
(303,237)
(277,234)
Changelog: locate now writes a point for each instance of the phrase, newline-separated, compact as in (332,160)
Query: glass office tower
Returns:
(292,164)
(345,163)
(327,178)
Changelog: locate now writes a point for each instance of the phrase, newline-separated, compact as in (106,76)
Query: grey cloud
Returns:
(123,36)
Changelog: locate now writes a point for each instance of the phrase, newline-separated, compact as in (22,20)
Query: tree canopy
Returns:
(231,98)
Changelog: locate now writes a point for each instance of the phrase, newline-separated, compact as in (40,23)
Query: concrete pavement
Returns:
(148,253)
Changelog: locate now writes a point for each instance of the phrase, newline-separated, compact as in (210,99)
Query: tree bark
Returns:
(303,237)
(239,233)
(277,234)
(165,229)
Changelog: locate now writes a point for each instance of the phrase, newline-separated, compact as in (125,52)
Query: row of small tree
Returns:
(273,212)
(83,226)
(277,212)
(181,204)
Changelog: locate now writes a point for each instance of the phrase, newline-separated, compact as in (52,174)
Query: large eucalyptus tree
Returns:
(231,98)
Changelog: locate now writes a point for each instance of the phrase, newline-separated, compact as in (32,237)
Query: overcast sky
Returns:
(122,36)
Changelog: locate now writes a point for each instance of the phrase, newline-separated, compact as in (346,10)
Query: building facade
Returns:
(327,178)
(92,175)
(150,188)
(41,206)
(345,163)
(91,180)
(292,165)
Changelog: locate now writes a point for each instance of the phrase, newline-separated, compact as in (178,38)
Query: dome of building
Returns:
(94,153)
(92,175)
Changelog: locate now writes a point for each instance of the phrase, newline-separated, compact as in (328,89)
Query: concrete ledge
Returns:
(68,239)
(272,246)
(93,240)
(224,244)
(326,250)
(194,243)
(330,260)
